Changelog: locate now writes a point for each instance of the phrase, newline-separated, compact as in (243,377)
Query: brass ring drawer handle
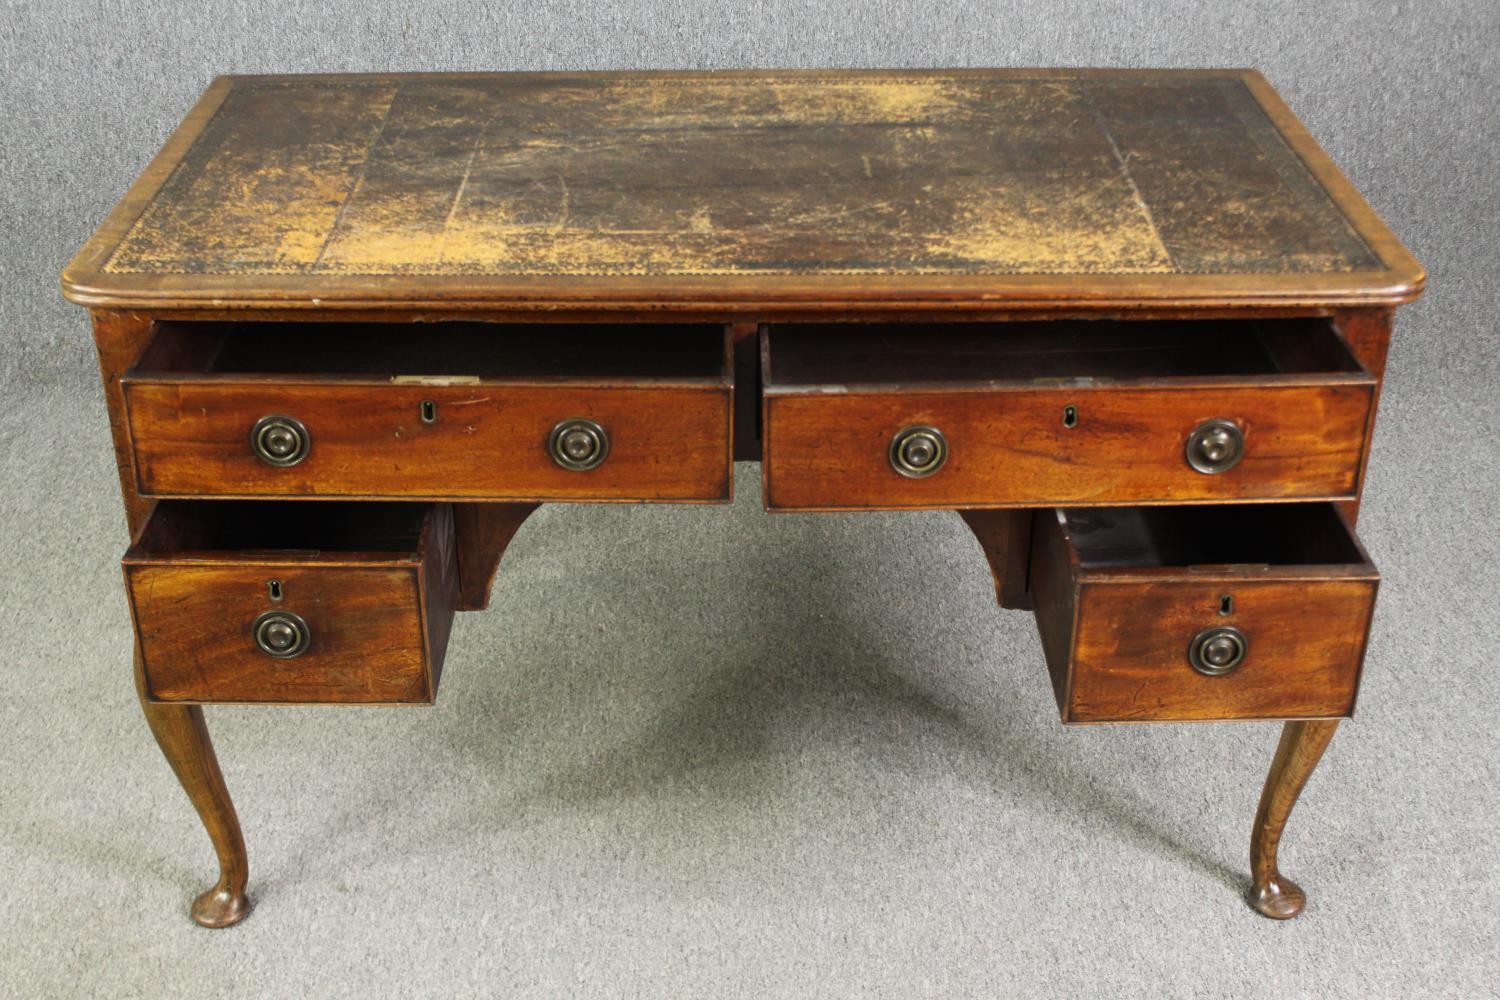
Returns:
(282,634)
(280,440)
(918,452)
(1218,651)
(578,444)
(1215,446)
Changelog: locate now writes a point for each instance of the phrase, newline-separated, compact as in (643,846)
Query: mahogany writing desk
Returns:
(1130,325)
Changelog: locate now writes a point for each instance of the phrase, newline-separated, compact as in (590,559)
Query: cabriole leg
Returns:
(183,737)
(1302,745)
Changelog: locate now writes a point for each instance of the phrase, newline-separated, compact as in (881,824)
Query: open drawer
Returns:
(1195,613)
(433,411)
(952,415)
(293,602)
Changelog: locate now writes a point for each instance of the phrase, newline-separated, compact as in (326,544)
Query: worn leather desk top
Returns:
(743,190)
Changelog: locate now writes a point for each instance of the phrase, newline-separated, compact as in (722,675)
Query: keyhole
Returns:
(429,412)
(1226,604)
(1070,416)
(273,588)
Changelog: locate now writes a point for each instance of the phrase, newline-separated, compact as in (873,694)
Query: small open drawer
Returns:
(293,602)
(441,411)
(1195,613)
(1102,412)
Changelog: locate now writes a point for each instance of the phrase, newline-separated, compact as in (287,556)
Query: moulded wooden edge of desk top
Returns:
(891,288)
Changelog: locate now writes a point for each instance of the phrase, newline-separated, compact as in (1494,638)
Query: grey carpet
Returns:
(713,752)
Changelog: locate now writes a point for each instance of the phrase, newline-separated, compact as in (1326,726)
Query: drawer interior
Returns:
(1305,534)
(457,350)
(327,528)
(911,354)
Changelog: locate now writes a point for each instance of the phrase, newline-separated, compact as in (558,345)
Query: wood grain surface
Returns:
(378,620)
(1297,753)
(1011,448)
(1042,414)
(489,442)
(482,532)
(1116,633)
(438,411)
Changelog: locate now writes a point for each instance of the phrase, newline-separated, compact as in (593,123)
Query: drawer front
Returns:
(1131,642)
(1052,446)
(1131,655)
(193,438)
(363,628)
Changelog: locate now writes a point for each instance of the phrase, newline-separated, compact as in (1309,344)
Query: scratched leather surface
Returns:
(1039,174)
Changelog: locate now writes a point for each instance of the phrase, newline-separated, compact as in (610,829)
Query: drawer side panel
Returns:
(1055,592)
